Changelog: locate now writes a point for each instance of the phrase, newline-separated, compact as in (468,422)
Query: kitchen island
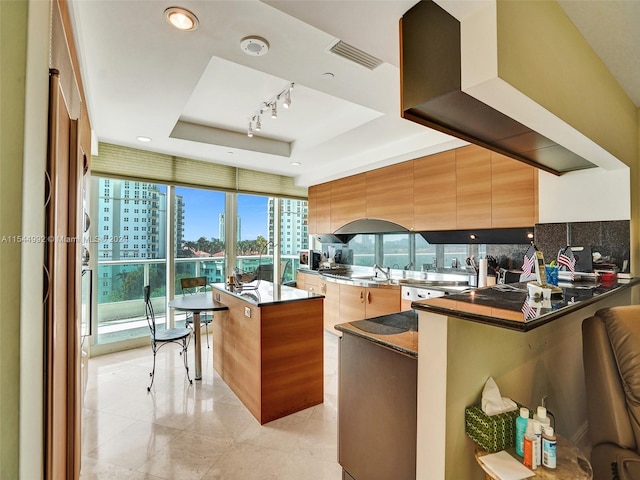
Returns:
(531,349)
(268,348)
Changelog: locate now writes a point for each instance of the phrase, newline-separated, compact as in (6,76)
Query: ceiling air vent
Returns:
(355,55)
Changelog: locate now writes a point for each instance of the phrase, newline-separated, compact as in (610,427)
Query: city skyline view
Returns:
(203,207)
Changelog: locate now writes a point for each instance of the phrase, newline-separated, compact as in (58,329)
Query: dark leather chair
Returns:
(611,354)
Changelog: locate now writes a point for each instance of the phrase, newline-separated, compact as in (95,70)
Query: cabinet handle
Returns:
(361,296)
(368,297)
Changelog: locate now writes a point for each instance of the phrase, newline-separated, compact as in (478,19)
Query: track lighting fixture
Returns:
(255,123)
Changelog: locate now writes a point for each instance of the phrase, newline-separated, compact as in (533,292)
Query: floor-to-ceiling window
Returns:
(138,235)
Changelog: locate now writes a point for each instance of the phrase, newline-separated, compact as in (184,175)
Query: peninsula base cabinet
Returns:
(377,411)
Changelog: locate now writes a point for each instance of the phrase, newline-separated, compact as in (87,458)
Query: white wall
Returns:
(589,195)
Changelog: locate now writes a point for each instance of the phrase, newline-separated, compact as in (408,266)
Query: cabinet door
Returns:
(434,192)
(473,187)
(312,207)
(514,193)
(331,292)
(323,208)
(390,194)
(300,281)
(382,301)
(311,282)
(352,303)
(348,200)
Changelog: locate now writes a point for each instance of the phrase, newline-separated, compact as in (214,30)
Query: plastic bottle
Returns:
(537,431)
(548,448)
(521,427)
(541,416)
(529,447)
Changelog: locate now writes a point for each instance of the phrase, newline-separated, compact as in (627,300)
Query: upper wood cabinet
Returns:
(514,193)
(434,192)
(462,189)
(390,194)
(320,208)
(348,200)
(473,187)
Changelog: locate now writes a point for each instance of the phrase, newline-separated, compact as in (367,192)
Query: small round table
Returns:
(571,463)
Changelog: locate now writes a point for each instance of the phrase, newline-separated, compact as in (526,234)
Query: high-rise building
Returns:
(222,230)
(294,230)
(131,225)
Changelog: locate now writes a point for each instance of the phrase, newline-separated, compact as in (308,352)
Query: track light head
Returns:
(258,125)
(250,131)
(274,110)
(287,99)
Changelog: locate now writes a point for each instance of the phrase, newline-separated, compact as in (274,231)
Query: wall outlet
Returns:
(247,312)
(218,297)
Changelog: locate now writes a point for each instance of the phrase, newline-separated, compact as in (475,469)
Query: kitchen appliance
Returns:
(309,259)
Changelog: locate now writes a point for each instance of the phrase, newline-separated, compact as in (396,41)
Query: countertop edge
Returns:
(347,328)
(521,326)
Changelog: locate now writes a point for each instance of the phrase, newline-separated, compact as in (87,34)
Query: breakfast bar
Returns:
(486,333)
(268,347)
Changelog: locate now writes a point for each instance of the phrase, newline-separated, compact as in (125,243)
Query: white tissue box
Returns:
(493,433)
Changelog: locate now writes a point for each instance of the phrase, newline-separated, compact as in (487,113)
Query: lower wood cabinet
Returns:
(347,303)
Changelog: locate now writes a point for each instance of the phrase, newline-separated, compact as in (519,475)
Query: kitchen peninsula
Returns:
(484,333)
(268,348)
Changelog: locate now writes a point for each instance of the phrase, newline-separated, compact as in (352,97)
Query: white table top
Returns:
(200,302)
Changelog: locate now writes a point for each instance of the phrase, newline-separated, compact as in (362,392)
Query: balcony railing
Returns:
(119,290)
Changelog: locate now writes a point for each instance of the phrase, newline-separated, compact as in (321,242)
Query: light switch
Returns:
(247,312)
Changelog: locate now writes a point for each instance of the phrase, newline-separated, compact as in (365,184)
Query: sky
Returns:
(202,208)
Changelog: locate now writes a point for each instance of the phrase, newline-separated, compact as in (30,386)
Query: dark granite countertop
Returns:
(508,306)
(265,294)
(397,331)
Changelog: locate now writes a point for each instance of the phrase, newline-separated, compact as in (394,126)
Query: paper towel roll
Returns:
(482,273)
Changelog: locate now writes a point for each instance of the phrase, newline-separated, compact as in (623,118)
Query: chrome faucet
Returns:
(377,268)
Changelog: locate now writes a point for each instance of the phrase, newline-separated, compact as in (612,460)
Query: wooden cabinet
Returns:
(390,194)
(348,200)
(358,302)
(331,292)
(514,193)
(473,187)
(434,192)
(463,189)
(320,208)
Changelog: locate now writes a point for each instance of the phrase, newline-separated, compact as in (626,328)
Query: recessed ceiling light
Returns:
(254,46)
(143,139)
(328,76)
(295,164)
(181,18)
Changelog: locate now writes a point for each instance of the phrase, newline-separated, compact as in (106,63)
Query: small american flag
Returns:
(566,259)
(529,259)
(530,311)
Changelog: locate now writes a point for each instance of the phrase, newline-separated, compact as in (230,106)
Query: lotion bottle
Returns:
(541,416)
(521,427)
(548,448)
(529,447)
(537,431)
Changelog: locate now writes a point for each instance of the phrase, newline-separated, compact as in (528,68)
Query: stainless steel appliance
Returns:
(309,259)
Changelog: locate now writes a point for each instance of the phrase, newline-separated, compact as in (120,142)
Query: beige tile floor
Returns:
(200,431)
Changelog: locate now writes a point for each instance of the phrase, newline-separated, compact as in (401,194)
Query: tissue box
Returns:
(493,433)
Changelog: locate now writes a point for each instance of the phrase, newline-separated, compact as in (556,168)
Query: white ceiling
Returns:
(193,93)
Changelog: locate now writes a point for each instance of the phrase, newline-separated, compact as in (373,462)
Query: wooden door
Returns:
(514,193)
(473,187)
(390,194)
(352,303)
(348,200)
(382,301)
(61,295)
(434,192)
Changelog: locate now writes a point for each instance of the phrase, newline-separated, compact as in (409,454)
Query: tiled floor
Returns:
(201,431)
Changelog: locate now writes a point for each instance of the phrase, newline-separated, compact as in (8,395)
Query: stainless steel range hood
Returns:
(370,225)
(432,95)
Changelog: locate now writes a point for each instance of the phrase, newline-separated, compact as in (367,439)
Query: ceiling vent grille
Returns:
(355,55)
